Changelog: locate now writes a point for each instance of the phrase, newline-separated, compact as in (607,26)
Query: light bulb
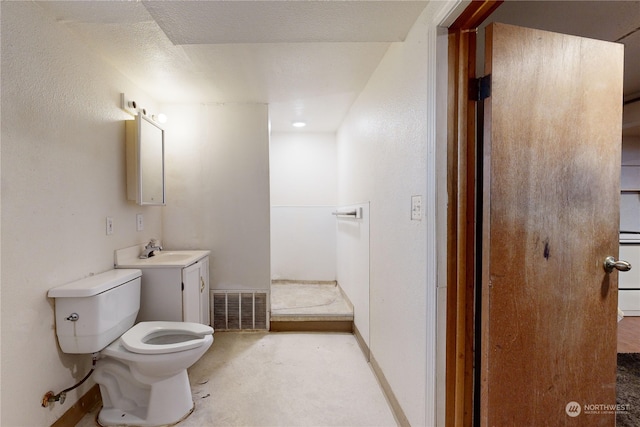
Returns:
(161,118)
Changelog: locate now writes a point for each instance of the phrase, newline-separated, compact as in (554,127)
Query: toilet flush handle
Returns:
(610,263)
(73,317)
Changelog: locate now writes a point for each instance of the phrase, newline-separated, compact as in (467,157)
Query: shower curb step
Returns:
(311,325)
(311,317)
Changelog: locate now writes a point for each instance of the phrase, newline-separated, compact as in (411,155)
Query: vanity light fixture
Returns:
(298,124)
(133,107)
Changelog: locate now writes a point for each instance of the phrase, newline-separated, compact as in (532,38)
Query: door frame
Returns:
(461,212)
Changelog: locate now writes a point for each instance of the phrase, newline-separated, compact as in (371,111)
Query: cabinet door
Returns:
(161,295)
(630,279)
(204,292)
(191,293)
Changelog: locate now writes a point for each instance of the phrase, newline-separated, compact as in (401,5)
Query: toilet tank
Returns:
(93,312)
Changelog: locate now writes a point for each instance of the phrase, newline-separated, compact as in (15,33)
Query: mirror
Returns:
(145,161)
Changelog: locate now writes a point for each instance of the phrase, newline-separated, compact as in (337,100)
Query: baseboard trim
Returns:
(312,326)
(398,413)
(363,345)
(79,409)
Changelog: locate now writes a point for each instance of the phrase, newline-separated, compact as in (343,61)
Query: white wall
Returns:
(218,189)
(303,243)
(386,149)
(352,259)
(63,172)
(303,169)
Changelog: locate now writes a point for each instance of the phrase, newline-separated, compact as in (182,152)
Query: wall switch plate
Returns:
(139,222)
(416,208)
(109,224)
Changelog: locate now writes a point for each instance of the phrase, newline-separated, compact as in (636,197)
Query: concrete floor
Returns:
(284,379)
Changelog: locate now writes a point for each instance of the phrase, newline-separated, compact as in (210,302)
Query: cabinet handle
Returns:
(201,284)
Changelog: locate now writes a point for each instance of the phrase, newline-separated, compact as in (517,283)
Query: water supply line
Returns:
(50,397)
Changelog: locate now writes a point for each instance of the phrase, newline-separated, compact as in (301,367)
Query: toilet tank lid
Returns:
(94,285)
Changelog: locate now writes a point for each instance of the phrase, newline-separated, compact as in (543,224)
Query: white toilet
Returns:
(141,370)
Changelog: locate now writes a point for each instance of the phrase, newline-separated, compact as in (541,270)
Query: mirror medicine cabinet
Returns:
(145,161)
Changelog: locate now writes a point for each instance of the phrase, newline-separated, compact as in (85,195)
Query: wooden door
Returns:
(552,142)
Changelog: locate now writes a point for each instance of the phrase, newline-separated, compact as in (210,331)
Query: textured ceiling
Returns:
(218,22)
(306,59)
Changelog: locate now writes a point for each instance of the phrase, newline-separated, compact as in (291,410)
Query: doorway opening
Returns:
(307,237)
(463,167)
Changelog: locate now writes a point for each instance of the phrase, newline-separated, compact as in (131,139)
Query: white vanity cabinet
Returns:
(629,281)
(174,286)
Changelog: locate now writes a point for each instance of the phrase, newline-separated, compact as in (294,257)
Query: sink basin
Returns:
(171,257)
(163,259)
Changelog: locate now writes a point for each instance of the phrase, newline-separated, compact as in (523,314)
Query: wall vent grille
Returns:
(239,310)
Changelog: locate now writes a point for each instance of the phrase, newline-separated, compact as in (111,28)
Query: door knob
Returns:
(610,263)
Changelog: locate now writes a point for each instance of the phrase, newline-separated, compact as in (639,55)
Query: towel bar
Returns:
(356,213)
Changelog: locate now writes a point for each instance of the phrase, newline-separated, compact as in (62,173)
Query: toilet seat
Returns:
(164,337)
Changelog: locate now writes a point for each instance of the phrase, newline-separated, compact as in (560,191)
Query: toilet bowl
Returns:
(141,368)
(183,344)
(143,375)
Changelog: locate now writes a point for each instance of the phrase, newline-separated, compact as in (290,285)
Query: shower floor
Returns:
(309,307)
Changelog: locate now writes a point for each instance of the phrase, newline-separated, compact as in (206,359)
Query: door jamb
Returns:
(461,212)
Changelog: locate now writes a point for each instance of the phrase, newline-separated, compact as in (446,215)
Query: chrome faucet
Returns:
(150,248)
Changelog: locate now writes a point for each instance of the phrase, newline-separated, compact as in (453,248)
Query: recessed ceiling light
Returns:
(298,124)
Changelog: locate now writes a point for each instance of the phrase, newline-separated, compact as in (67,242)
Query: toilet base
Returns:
(128,401)
(130,419)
